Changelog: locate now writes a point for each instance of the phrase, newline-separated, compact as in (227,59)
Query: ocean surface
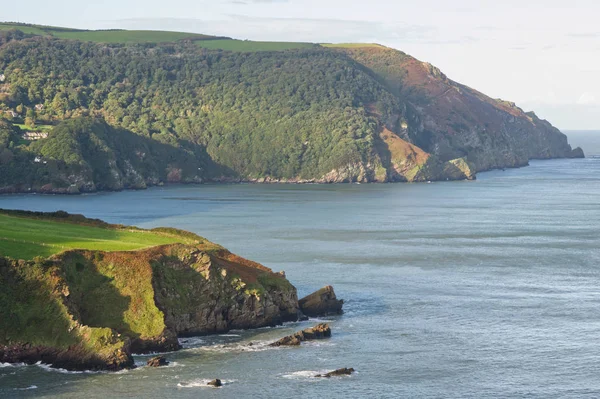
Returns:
(479,289)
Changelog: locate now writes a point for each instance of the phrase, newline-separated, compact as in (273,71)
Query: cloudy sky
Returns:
(542,54)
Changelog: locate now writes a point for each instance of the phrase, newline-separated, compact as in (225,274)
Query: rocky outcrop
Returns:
(336,373)
(320,331)
(91,309)
(215,383)
(157,361)
(321,303)
(450,121)
(577,153)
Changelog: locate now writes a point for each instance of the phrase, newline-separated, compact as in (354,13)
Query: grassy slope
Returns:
(26,238)
(351,45)
(37,128)
(106,36)
(127,36)
(25,29)
(250,46)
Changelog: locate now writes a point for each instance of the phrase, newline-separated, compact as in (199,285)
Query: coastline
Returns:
(263,180)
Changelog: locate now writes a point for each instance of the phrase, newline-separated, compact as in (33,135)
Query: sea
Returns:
(471,289)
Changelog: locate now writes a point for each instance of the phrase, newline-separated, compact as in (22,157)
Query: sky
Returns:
(542,54)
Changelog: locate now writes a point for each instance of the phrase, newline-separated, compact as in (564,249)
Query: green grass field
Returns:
(37,128)
(351,45)
(127,36)
(250,46)
(106,36)
(26,238)
(33,30)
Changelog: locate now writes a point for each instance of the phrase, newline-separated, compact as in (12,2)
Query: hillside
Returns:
(107,291)
(261,111)
(86,155)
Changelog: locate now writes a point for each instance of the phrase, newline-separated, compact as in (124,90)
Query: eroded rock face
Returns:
(320,331)
(201,293)
(321,303)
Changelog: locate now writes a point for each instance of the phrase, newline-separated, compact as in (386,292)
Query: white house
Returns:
(2,77)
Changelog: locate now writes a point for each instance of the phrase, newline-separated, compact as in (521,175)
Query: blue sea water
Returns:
(488,288)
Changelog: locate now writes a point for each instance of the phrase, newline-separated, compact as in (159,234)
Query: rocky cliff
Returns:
(91,309)
(451,121)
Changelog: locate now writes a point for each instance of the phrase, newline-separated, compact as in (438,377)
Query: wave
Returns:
(307,375)
(48,367)
(254,346)
(27,389)
(202,383)
(304,375)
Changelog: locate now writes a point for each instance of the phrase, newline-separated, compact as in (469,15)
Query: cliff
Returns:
(451,121)
(84,309)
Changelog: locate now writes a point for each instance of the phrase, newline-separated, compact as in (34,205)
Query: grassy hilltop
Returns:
(106,291)
(28,237)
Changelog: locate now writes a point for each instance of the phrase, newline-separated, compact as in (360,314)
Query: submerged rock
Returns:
(336,373)
(157,361)
(321,303)
(215,383)
(320,331)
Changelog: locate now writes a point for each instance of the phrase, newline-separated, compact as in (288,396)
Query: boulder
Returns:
(320,331)
(336,373)
(215,383)
(157,361)
(321,303)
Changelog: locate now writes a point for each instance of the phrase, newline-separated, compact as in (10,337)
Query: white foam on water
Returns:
(27,389)
(49,367)
(2,365)
(257,346)
(309,375)
(191,342)
(229,335)
(201,383)
(304,375)
(319,320)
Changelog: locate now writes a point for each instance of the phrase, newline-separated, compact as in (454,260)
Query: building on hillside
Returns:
(12,113)
(2,78)
(34,135)
(39,107)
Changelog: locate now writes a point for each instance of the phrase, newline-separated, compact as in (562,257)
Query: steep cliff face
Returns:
(92,309)
(452,121)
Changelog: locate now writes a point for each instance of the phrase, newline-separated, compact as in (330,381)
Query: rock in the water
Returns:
(319,331)
(157,361)
(215,383)
(576,153)
(336,373)
(321,303)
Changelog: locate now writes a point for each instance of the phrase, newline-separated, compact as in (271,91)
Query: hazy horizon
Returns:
(543,55)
